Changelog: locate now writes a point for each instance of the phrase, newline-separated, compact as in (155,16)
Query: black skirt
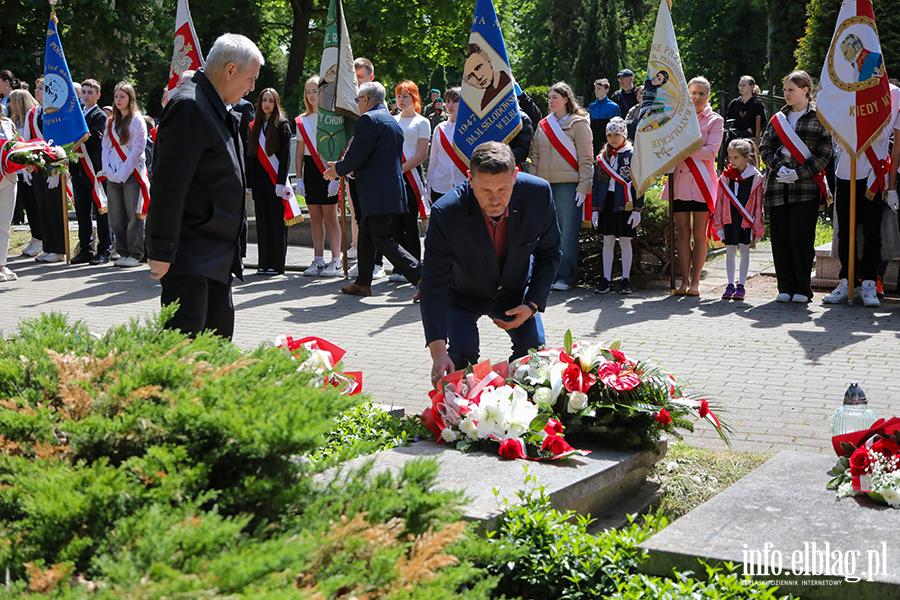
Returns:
(734,233)
(316,185)
(615,222)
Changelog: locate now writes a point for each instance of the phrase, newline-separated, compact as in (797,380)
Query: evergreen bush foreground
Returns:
(144,465)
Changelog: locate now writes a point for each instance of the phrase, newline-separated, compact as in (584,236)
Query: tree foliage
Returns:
(787,21)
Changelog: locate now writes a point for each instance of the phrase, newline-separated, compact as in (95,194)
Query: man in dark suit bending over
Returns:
(492,248)
(375,159)
(197,192)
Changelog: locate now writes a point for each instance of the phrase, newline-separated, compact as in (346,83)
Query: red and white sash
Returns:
(32,122)
(732,197)
(292,212)
(877,180)
(797,148)
(447,145)
(97,190)
(629,194)
(418,188)
(703,173)
(303,127)
(561,142)
(139,174)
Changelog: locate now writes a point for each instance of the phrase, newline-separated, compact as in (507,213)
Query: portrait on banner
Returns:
(486,76)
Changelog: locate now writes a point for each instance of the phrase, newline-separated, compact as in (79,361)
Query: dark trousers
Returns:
(868,215)
(25,196)
(408,224)
(377,232)
(462,334)
(793,228)
(271,234)
(354,197)
(204,304)
(50,207)
(84,206)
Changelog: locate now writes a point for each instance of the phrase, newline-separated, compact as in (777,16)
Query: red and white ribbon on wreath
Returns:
(292,212)
(798,149)
(139,174)
(561,142)
(418,188)
(629,194)
(324,357)
(32,122)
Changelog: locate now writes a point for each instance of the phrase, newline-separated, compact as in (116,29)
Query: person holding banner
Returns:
(694,190)
(416,134)
(124,166)
(268,157)
(562,154)
(322,205)
(795,149)
(446,169)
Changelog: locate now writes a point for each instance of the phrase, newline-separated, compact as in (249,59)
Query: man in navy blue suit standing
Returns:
(492,248)
(375,159)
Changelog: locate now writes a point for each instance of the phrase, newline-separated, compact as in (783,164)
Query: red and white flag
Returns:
(854,97)
(187,55)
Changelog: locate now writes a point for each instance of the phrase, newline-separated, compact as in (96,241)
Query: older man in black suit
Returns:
(197,193)
(492,248)
(375,159)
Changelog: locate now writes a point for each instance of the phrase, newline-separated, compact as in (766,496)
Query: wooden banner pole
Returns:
(851,254)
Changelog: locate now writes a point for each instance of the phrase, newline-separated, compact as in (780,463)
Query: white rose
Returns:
(578,401)
(448,435)
(469,427)
(543,397)
(891,496)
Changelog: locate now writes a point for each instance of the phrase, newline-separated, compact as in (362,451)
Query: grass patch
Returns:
(691,476)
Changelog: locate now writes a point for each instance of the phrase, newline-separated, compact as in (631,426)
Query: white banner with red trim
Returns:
(566,148)
(271,164)
(187,55)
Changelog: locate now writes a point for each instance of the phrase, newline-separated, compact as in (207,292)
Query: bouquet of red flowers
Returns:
(870,465)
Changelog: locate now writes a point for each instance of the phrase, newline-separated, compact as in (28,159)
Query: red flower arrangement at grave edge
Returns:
(477,409)
(870,463)
(597,390)
(323,362)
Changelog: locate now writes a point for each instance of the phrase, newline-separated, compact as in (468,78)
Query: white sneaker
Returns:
(378,273)
(114,256)
(33,248)
(868,293)
(334,269)
(314,270)
(351,253)
(354,271)
(560,286)
(397,277)
(50,257)
(839,294)
(6,274)
(128,262)
(783,297)
(799,299)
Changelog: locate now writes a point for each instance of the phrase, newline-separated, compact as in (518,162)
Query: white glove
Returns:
(720,233)
(333,187)
(787,176)
(579,198)
(300,188)
(279,190)
(26,177)
(53,181)
(635,219)
(893,201)
(595,219)
(101,174)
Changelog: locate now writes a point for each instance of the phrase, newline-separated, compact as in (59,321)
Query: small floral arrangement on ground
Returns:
(477,409)
(18,154)
(872,466)
(323,361)
(597,390)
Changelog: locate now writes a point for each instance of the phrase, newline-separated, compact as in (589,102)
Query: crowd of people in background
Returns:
(584,153)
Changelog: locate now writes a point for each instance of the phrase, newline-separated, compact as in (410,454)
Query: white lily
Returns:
(522,413)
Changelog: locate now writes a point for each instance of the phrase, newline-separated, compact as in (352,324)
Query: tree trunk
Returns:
(303,12)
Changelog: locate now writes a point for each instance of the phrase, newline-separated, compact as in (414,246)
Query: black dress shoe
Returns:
(82,258)
(100,259)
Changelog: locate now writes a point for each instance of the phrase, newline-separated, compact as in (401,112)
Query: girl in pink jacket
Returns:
(738,218)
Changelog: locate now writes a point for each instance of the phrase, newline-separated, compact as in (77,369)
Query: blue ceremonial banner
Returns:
(489,111)
(63,120)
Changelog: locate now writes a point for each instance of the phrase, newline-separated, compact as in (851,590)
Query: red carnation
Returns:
(556,445)
(860,462)
(618,355)
(663,417)
(577,380)
(612,374)
(553,427)
(512,449)
(704,409)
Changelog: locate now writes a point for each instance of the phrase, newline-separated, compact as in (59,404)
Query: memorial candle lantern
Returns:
(854,414)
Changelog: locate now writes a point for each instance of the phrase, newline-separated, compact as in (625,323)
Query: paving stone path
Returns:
(779,370)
